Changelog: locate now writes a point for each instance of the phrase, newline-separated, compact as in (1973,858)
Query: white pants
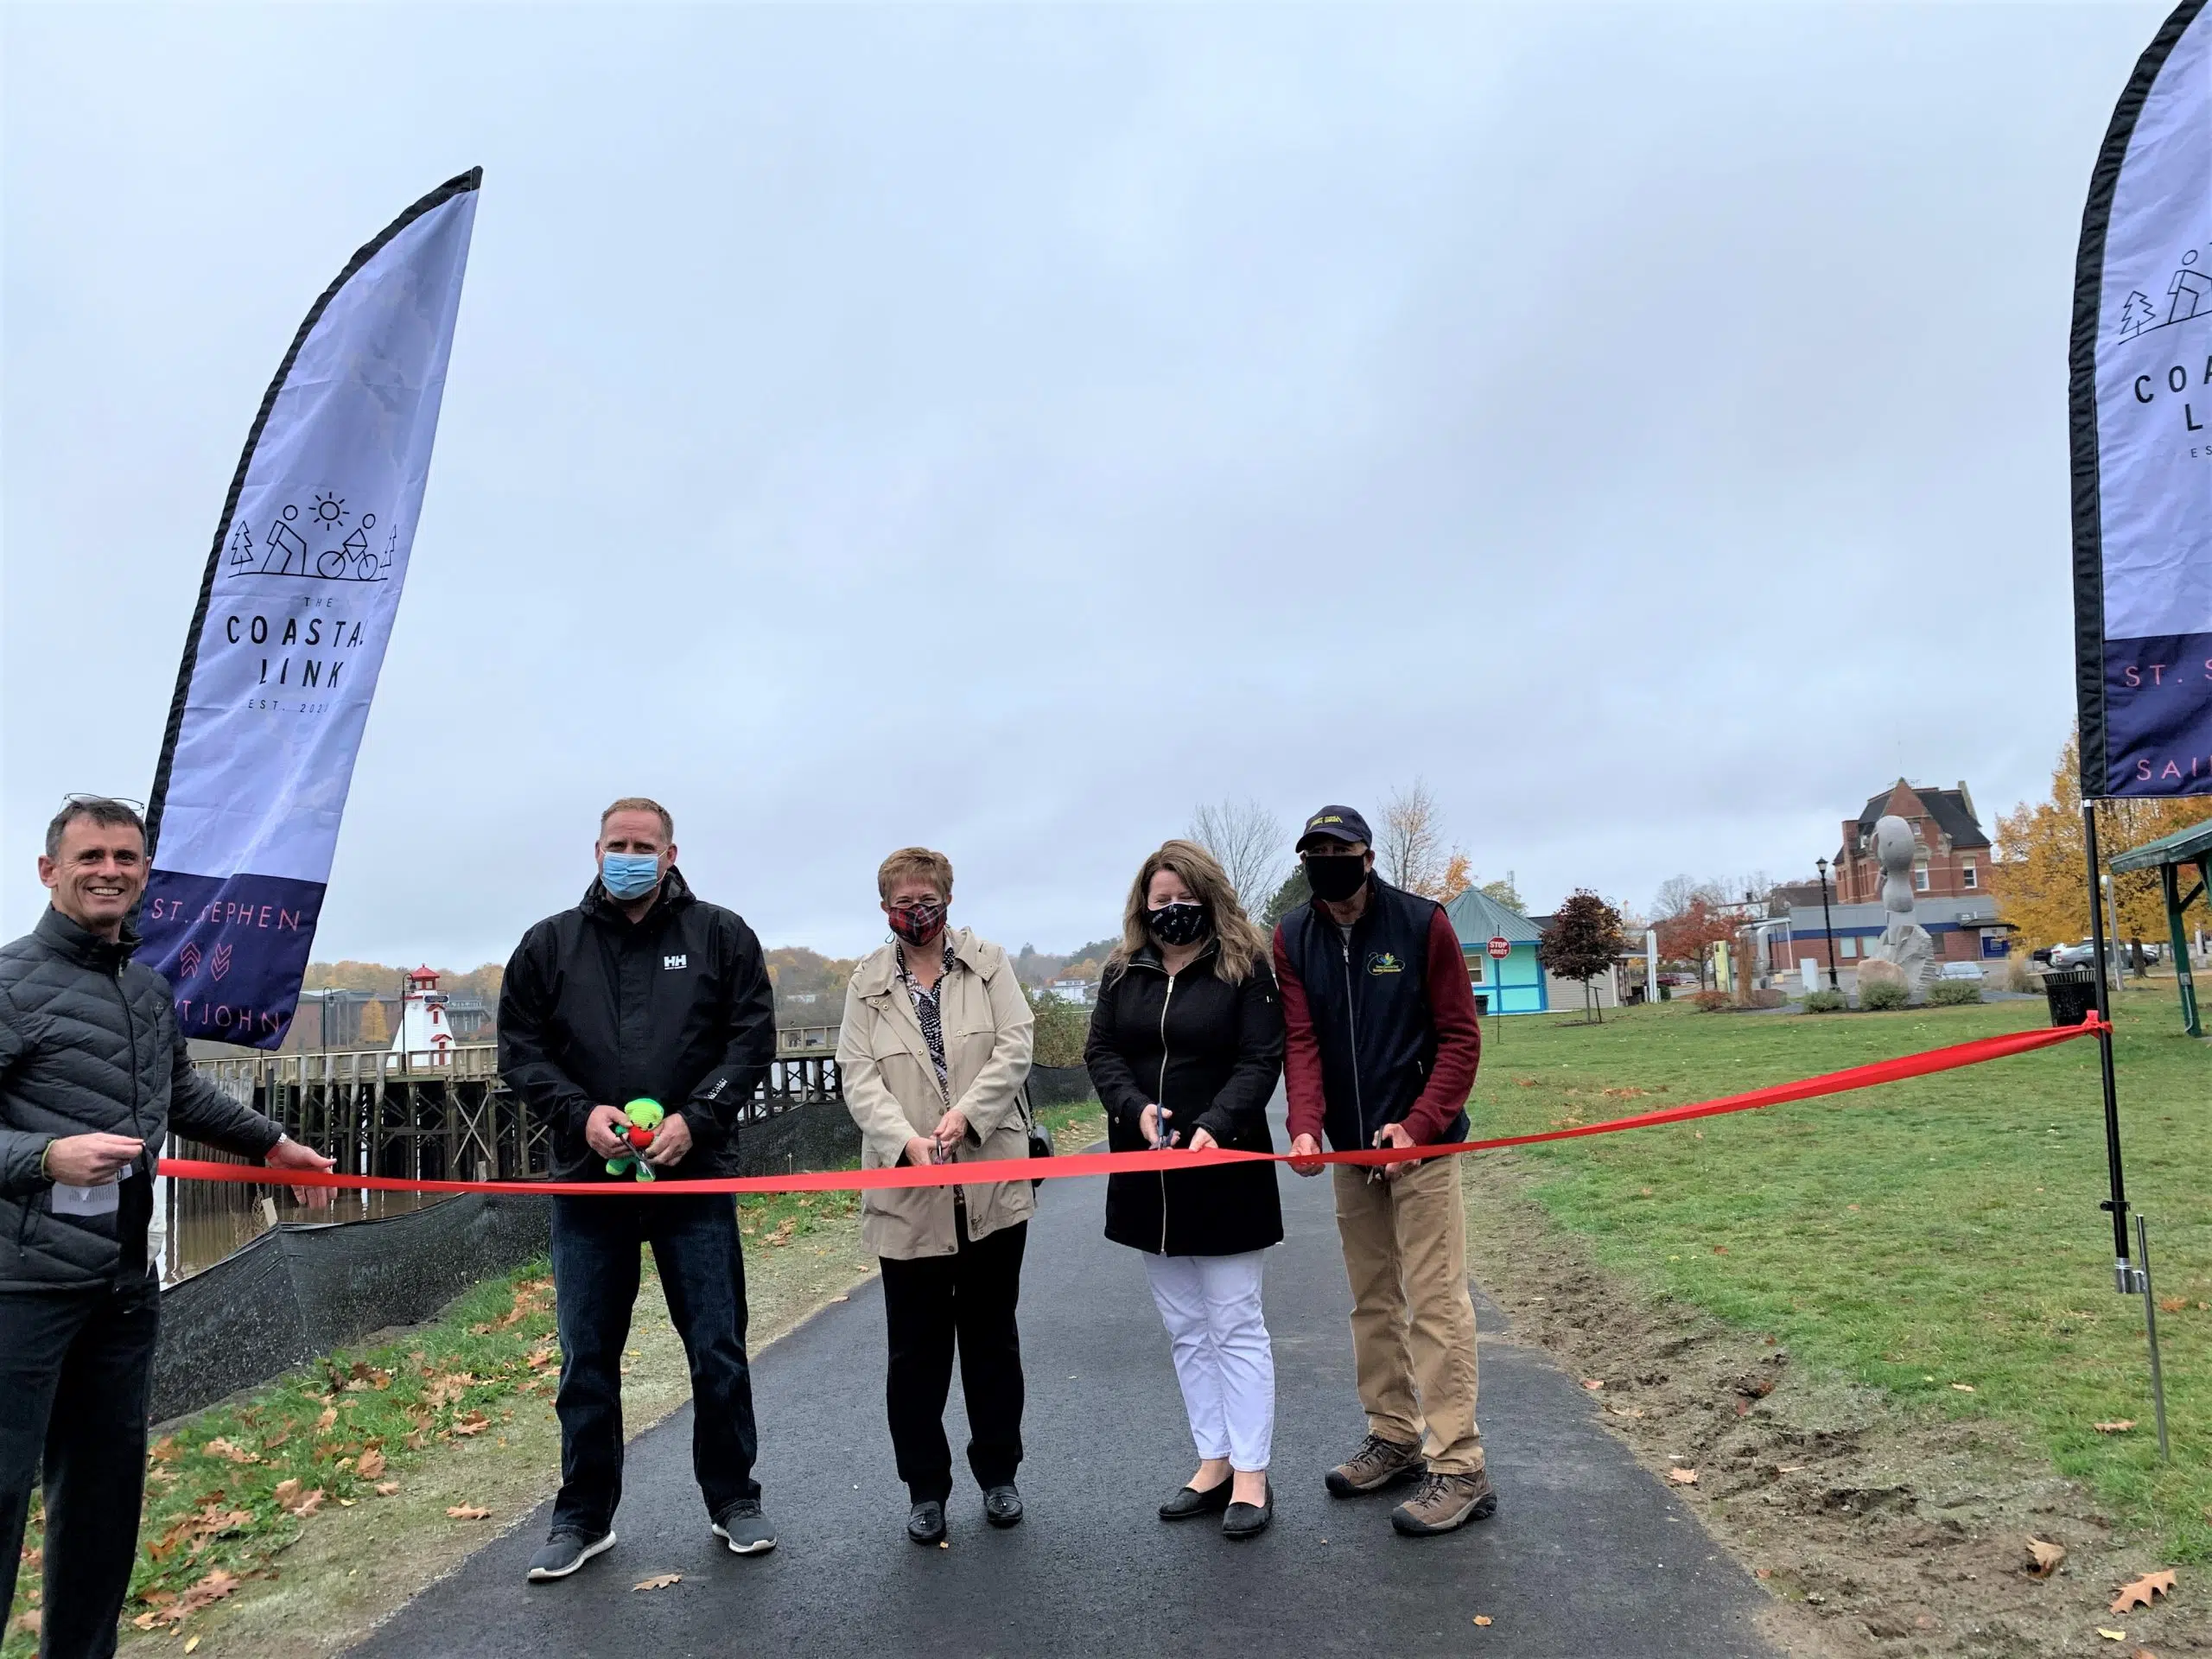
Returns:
(1210,1305)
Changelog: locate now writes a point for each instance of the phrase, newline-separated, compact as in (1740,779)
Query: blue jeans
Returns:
(595,1265)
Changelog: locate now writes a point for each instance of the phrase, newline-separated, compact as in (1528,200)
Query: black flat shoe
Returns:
(1249,1520)
(1002,1506)
(1189,1501)
(927,1524)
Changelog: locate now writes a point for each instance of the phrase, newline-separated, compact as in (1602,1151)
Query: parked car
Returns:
(2078,955)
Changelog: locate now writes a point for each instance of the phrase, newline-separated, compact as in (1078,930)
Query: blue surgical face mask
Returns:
(629,876)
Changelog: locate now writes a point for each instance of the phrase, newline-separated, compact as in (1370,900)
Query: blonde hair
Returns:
(640,804)
(1241,943)
(915,862)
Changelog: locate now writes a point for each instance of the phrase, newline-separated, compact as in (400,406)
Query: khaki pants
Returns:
(1412,1322)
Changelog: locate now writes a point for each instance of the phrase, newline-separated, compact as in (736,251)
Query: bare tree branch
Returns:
(1411,852)
(1249,843)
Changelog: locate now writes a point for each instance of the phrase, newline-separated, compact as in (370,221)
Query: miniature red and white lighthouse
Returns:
(424,1037)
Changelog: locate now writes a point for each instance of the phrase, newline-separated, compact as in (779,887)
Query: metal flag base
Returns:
(2137,1277)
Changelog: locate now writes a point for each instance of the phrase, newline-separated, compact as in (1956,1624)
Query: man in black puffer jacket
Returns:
(94,1075)
(642,991)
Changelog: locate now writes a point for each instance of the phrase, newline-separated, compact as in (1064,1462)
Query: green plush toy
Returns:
(645,1117)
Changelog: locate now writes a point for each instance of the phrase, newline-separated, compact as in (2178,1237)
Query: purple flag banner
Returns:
(281,662)
(2141,406)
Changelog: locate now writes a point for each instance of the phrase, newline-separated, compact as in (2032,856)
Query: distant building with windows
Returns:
(1953,857)
(1519,983)
(1950,880)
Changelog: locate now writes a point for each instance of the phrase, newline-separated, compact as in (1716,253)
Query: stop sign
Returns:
(1500,949)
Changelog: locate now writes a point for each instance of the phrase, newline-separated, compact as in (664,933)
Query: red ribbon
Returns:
(986,1171)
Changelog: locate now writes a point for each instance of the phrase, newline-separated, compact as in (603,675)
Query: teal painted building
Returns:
(1514,985)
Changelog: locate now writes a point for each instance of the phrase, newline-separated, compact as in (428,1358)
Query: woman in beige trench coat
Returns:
(933,1052)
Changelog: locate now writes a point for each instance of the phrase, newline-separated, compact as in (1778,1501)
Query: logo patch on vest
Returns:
(675,961)
(1384,962)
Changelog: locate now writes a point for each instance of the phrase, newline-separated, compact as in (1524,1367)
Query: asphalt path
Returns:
(1588,1555)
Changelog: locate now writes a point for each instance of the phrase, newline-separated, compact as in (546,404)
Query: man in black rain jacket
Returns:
(643,991)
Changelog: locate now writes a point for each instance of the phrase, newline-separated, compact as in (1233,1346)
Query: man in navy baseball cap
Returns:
(1381,1043)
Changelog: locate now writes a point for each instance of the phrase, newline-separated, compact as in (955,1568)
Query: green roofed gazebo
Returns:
(2167,855)
(1514,985)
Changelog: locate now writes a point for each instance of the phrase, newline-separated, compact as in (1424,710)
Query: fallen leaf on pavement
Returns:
(193,1646)
(2144,1591)
(1593,1382)
(386,1488)
(2111,1635)
(658,1581)
(1626,1411)
(468,1512)
(2120,1427)
(1789,1468)
(1682,1477)
(2044,1557)
(475,1423)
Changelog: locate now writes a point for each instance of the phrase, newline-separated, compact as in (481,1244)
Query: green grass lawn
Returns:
(1918,1236)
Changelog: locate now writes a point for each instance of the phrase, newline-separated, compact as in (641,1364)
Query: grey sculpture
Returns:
(1904,942)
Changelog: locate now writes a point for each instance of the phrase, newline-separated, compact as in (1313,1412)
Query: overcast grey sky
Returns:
(1003,428)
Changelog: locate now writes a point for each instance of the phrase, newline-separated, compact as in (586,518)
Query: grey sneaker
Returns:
(564,1553)
(1378,1463)
(745,1529)
(1445,1502)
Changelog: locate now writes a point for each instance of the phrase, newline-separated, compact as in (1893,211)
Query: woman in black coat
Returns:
(1186,1048)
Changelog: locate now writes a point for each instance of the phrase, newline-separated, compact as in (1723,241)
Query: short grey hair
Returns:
(107,813)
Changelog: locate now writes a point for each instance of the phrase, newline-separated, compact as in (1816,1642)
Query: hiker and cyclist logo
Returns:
(323,539)
(1384,962)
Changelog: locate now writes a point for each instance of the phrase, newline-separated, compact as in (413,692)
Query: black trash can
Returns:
(2072,994)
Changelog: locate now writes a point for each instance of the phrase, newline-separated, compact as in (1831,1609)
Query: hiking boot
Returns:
(1378,1463)
(745,1529)
(1445,1502)
(1003,1505)
(564,1553)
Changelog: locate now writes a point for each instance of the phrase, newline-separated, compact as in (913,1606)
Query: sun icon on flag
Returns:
(330,509)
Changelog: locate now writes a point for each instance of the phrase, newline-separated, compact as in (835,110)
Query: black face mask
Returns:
(1335,877)
(1178,924)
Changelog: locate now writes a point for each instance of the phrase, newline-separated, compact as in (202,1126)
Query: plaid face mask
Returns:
(917,924)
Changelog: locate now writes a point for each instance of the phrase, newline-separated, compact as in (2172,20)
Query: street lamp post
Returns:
(1828,925)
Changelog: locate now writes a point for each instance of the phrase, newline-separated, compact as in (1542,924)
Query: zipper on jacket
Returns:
(1162,1104)
(130,1033)
(1351,1020)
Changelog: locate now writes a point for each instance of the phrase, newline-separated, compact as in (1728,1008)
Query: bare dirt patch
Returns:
(1875,1531)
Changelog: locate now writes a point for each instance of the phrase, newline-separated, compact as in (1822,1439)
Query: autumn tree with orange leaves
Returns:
(2041,878)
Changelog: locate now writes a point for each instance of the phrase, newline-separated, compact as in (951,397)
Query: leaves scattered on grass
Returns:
(2144,1591)
(468,1512)
(2119,1427)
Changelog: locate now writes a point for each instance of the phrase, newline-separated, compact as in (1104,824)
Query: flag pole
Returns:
(2130,1278)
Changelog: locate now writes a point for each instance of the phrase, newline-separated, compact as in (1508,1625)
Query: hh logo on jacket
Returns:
(667,962)
(1384,962)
